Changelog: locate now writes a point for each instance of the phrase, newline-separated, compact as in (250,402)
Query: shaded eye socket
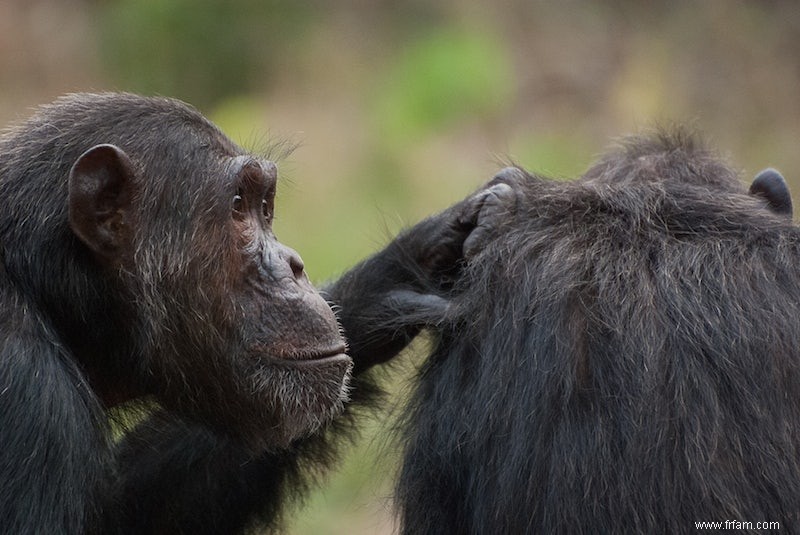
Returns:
(240,208)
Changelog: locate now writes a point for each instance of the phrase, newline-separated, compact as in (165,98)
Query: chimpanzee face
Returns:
(229,330)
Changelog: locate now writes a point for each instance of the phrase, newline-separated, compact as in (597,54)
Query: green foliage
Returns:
(442,78)
(197,50)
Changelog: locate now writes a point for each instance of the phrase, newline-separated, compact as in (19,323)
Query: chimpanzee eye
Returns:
(266,209)
(238,203)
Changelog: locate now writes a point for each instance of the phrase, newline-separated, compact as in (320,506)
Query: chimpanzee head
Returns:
(149,245)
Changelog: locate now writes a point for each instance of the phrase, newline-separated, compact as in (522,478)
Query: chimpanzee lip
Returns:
(310,357)
(313,358)
(319,360)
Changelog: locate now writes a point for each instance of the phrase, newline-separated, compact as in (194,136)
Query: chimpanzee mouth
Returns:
(318,359)
(323,356)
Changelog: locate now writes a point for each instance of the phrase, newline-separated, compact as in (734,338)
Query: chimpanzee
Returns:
(623,356)
(137,262)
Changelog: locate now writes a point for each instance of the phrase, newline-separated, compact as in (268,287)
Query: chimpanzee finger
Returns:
(509,176)
(493,206)
(513,176)
(423,308)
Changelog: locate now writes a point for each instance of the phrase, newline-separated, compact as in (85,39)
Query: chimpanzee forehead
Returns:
(250,173)
(254,165)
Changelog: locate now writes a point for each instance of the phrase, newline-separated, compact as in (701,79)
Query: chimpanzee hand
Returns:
(497,199)
(386,300)
(439,246)
(457,234)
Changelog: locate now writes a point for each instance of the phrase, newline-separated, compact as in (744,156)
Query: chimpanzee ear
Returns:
(100,190)
(770,185)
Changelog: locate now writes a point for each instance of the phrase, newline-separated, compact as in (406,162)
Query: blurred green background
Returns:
(399,108)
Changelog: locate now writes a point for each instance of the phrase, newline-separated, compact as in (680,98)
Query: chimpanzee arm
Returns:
(52,470)
(179,477)
(176,476)
(385,301)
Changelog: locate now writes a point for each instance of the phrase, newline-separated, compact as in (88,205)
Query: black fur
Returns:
(137,264)
(624,358)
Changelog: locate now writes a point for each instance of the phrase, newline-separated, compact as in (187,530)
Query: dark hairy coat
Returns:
(624,358)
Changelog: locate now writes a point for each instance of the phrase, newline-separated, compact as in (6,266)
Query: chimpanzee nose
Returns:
(283,262)
(296,264)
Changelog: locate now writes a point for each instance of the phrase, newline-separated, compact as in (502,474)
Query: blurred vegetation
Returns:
(439,80)
(203,50)
(399,108)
